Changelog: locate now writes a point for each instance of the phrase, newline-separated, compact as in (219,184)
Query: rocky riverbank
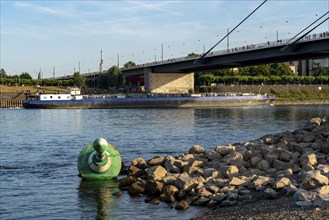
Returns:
(281,173)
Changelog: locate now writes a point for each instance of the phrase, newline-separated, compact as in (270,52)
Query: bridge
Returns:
(177,75)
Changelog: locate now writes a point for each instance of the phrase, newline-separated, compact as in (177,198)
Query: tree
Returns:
(25,75)
(3,73)
(280,69)
(129,64)
(112,78)
(79,80)
(192,55)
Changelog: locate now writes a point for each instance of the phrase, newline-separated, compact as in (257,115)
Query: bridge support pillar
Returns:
(168,82)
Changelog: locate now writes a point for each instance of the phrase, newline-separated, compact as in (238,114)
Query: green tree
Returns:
(281,69)
(25,75)
(79,80)
(3,73)
(112,78)
(129,64)
(321,71)
(192,55)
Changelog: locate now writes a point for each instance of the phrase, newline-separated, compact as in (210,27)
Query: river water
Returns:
(39,150)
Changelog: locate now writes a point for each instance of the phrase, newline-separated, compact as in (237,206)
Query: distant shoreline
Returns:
(297,102)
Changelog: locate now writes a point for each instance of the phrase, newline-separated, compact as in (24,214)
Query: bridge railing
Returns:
(232,50)
(283,42)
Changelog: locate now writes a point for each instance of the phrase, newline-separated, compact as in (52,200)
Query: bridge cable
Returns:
(202,57)
(285,47)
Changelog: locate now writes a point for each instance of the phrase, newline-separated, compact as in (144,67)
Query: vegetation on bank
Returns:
(205,81)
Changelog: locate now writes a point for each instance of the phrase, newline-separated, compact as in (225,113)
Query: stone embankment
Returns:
(284,164)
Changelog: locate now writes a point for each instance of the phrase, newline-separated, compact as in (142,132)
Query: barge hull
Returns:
(178,102)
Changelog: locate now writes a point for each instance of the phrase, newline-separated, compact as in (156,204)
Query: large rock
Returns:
(137,187)
(322,201)
(156,172)
(229,171)
(235,181)
(303,195)
(308,159)
(196,149)
(153,187)
(224,150)
(314,179)
(155,161)
(281,183)
(139,162)
(263,165)
(184,182)
(270,194)
(260,181)
(183,205)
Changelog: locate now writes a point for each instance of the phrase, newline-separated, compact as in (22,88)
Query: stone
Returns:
(184,182)
(218,197)
(325,147)
(263,165)
(153,187)
(139,162)
(235,181)
(316,121)
(281,165)
(155,161)
(196,149)
(213,189)
(169,179)
(303,195)
(137,188)
(182,205)
(169,198)
(170,189)
(314,179)
(210,172)
(304,203)
(322,201)
(254,161)
(155,201)
(281,183)
(213,155)
(156,172)
(236,159)
(244,192)
(260,181)
(285,156)
(133,170)
(201,201)
(323,190)
(224,150)
(125,182)
(228,202)
(308,159)
(204,193)
(271,156)
(270,194)
(229,171)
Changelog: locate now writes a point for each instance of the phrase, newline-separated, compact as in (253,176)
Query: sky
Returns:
(60,37)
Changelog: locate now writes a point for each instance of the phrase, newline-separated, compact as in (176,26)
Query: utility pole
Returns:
(228,40)
(101,63)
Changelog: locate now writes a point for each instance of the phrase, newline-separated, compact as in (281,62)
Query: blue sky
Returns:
(46,34)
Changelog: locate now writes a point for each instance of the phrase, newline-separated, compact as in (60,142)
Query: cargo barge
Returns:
(77,101)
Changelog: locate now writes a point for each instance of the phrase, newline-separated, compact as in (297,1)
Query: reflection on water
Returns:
(96,199)
(39,151)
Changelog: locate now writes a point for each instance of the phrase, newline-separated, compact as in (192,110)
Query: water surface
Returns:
(39,150)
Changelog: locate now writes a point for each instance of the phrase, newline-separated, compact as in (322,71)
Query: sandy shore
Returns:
(259,208)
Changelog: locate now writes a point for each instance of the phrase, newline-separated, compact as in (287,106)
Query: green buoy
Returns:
(99,160)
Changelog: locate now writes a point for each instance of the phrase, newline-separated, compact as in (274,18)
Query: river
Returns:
(39,151)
